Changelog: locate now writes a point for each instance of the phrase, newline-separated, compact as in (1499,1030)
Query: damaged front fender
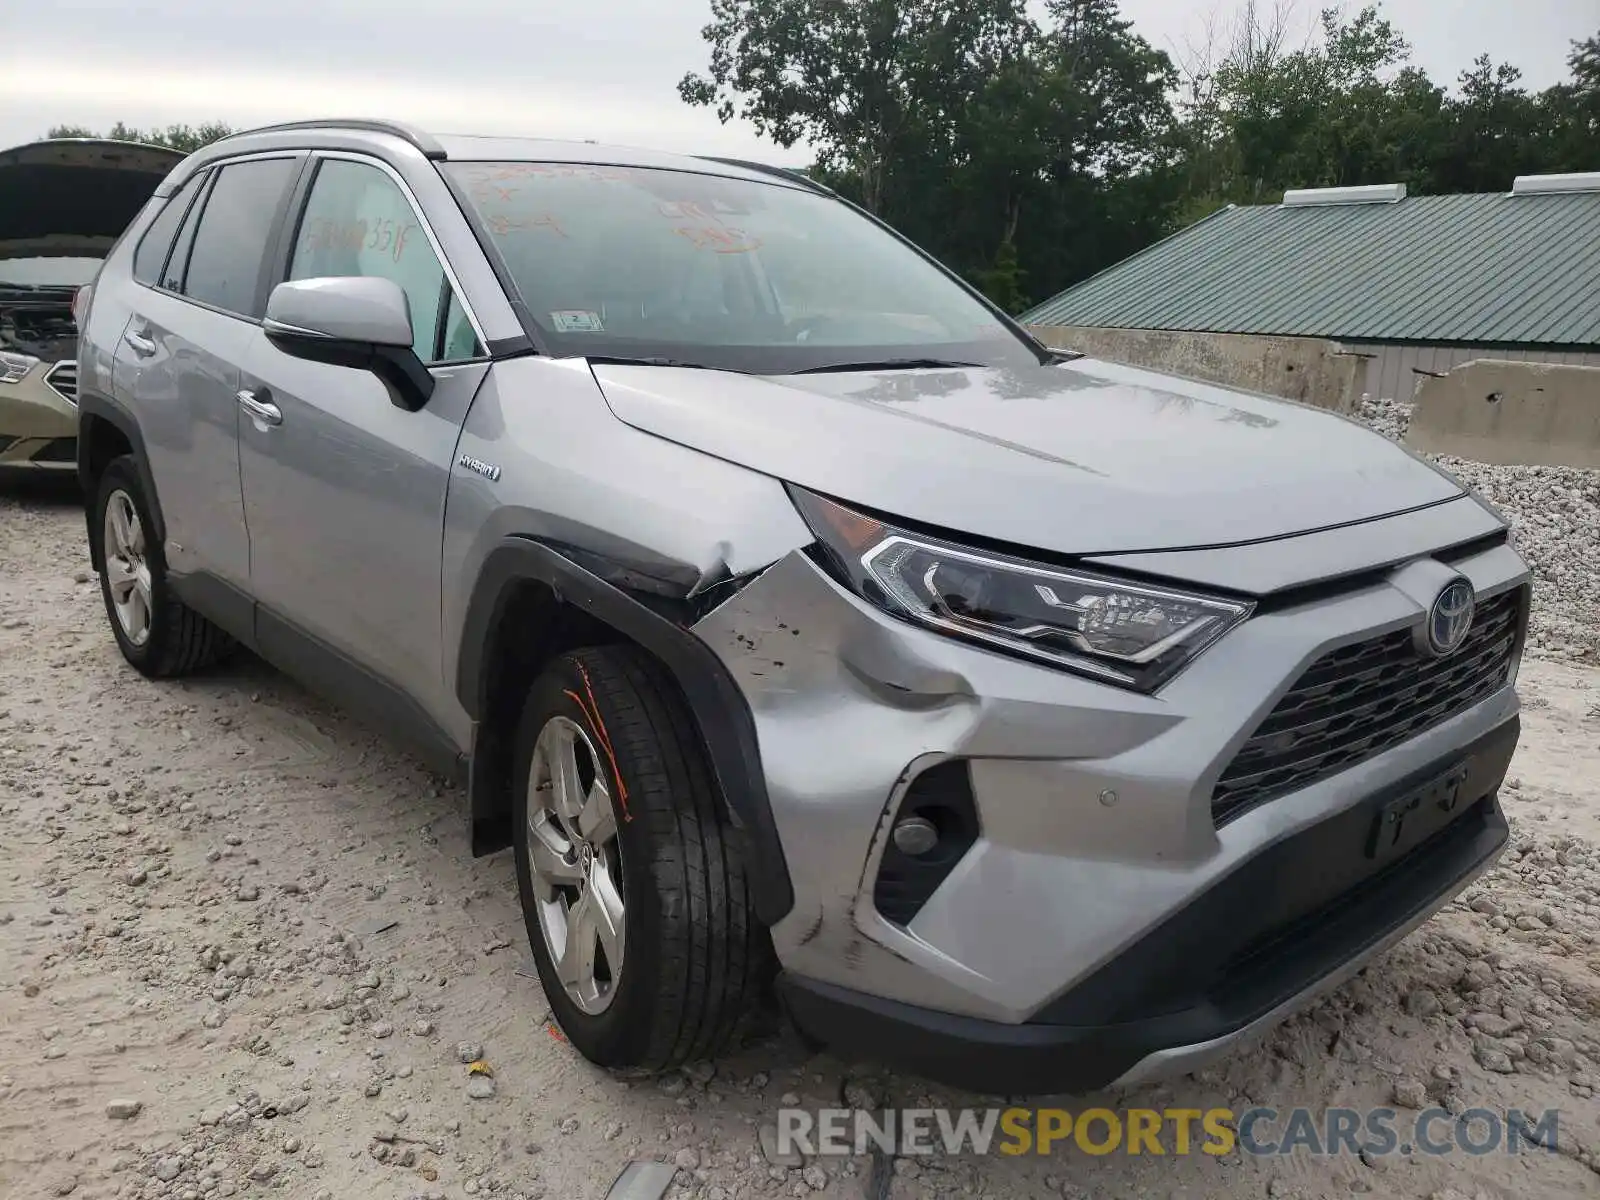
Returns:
(850,706)
(718,708)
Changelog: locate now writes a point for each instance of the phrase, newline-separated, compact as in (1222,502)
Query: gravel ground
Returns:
(1555,512)
(244,951)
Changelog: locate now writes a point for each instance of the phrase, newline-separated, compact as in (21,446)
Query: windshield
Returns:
(730,273)
(48,272)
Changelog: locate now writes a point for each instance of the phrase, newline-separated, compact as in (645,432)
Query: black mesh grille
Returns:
(1360,700)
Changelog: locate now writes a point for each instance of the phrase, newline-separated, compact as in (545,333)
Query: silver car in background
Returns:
(1035,722)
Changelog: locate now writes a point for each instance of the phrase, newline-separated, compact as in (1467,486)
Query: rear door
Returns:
(180,354)
(343,489)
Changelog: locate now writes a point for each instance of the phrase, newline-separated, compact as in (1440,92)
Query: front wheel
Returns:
(632,889)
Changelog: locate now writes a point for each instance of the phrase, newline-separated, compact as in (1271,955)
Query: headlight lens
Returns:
(14,366)
(1120,632)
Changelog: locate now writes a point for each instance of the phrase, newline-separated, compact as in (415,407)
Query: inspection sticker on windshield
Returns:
(577,320)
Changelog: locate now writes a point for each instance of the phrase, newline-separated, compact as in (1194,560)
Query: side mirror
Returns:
(351,321)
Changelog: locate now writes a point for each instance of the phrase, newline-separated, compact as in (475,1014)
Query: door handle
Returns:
(141,344)
(259,407)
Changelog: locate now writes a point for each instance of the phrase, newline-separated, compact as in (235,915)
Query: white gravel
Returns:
(242,954)
(1555,514)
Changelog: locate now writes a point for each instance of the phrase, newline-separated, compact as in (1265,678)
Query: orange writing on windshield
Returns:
(708,232)
(501,224)
(721,239)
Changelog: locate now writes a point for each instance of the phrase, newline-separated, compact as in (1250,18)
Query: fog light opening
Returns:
(936,825)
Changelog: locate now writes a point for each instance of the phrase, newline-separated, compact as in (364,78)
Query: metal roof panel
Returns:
(1472,268)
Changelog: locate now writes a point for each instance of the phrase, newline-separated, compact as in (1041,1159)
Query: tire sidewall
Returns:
(120,476)
(620,1034)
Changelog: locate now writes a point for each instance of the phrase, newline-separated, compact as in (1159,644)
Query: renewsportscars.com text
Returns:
(1167,1131)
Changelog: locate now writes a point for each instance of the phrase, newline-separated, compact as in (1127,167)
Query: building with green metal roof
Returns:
(1406,285)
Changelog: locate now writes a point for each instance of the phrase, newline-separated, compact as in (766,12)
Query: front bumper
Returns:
(38,423)
(1240,957)
(1093,805)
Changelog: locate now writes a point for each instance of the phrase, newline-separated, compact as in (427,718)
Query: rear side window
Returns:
(151,255)
(230,243)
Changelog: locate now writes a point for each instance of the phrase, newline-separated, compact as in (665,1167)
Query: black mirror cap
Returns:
(408,381)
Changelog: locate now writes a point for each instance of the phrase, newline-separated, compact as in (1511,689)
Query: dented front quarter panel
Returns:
(849,706)
(1094,803)
(672,520)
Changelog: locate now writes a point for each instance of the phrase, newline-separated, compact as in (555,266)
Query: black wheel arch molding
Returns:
(95,406)
(721,714)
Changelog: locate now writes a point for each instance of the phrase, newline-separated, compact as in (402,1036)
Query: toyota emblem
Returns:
(1450,618)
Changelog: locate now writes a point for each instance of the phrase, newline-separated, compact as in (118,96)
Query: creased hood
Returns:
(75,196)
(1081,458)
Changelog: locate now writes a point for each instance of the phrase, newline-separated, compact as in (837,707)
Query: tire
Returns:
(171,639)
(694,958)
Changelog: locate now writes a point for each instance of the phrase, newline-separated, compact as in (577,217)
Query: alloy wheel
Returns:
(575,861)
(127,568)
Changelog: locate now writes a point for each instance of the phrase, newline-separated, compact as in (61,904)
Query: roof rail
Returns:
(799,177)
(422,141)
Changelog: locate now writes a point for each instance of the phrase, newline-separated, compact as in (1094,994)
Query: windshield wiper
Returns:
(887,364)
(623,360)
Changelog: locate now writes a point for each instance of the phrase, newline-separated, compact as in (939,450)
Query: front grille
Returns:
(1355,702)
(63,380)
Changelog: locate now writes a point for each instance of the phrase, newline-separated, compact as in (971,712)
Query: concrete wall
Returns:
(1311,370)
(1395,368)
(1497,411)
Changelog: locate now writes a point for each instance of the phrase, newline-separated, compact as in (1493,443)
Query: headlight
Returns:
(14,366)
(1120,632)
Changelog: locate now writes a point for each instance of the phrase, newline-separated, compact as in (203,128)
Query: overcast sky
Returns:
(603,69)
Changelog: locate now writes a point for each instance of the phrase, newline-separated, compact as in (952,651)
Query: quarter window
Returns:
(230,244)
(358,222)
(456,339)
(178,260)
(151,255)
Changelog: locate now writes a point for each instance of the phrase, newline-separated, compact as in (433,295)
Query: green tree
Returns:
(979,132)
(865,82)
(1570,112)
(184,138)
(1002,282)
(1096,113)
(1350,108)
(1315,116)
(1042,142)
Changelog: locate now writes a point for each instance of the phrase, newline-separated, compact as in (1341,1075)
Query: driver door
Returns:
(344,490)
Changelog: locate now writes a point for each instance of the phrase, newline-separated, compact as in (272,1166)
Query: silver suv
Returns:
(1035,722)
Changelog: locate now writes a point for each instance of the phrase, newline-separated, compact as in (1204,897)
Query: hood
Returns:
(74,196)
(1079,458)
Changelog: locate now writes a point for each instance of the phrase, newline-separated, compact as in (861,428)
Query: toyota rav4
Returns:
(1030,721)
